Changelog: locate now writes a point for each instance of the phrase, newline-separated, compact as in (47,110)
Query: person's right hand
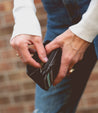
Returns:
(20,44)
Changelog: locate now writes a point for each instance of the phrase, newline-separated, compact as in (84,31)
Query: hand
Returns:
(73,49)
(20,44)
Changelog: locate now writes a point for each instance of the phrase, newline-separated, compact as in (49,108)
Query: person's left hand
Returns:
(73,49)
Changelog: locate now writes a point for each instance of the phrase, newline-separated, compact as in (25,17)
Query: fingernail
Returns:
(45,59)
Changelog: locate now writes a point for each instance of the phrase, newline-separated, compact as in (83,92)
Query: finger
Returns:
(74,61)
(52,46)
(62,73)
(65,62)
(70,69)
(41,51)
(26,56)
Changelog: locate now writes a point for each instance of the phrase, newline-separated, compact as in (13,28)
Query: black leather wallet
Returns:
(46,75)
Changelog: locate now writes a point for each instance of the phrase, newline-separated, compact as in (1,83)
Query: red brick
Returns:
(6,6)
(2,43)
(91,88)
(94,76)
(37,1)
(24,97)
(19,64)
(13,109)
(30,108)
(92,101)
(4,100)
(9,54)
(41,11)
(6,30)
(10,88)
(17,75)
(2,78)
(9,18)
(29,85)
(5,66)
(2,8)
(0,20)
(88,110)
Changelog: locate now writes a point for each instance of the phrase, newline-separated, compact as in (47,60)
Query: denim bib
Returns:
(62,14)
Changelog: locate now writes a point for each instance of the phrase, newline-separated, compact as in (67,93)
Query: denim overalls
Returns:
(64,97)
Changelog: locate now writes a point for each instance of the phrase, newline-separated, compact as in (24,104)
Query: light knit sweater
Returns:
(26,21)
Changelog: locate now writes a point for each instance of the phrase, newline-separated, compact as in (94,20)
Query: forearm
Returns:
(25,18)
(87,28)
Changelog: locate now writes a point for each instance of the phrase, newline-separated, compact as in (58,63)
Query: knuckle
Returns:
(42,53)
(18,43)
(68,59)
(47,49)
(61,41)
(58,41)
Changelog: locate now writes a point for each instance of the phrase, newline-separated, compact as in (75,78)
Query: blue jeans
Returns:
(64,97)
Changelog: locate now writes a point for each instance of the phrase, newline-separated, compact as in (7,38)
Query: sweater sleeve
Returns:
(87,28)
(26,22)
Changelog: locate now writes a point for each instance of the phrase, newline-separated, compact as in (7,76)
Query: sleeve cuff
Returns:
(87,28)
(26,22)
(83,31)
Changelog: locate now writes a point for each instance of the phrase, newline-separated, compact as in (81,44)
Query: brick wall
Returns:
(17,90)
